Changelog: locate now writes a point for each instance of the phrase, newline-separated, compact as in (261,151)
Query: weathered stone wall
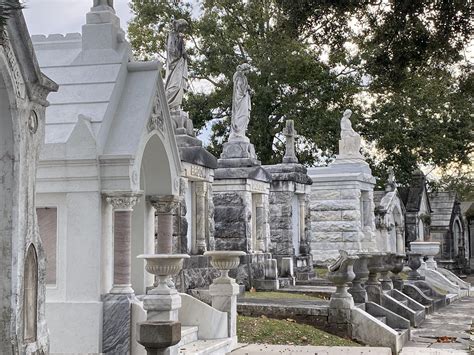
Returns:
(232,216)
(198,272)
(281,224)
(335,222)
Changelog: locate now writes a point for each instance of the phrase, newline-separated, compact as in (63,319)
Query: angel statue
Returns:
(176,65)
(241,105)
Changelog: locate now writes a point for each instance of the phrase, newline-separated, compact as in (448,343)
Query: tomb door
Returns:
(30,299)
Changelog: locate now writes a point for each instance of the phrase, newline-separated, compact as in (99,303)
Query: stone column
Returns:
(201,217)
(122,230)
(165,207)
(400,240)
(260,223)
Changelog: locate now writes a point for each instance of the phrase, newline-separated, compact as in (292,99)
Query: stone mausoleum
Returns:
(109,170)
(342,201)
(23,92)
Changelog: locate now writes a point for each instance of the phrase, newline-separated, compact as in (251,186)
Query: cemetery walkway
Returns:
(450,329)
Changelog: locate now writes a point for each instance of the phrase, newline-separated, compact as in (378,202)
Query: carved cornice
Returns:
(123,202)
(167,204)
(201,189)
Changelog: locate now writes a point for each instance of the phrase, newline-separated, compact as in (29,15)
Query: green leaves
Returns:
(398,65)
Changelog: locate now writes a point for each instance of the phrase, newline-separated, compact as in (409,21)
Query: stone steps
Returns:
(189,334)
(382,319)
(207,347)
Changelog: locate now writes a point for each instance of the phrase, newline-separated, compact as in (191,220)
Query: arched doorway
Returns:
(30,297)
(155,179)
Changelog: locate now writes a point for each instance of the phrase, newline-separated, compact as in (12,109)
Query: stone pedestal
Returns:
(156,337)
(224,290)
(238,154)
(373,285)
(184,125)
(396,269)
(358,292)
(341,302)
(414,263)
(224,298)
(116,329)
(122,204)
(387,263)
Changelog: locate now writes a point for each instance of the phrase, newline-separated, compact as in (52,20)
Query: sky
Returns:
(65,16)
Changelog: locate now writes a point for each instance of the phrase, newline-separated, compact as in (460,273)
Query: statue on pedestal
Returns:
(176,65)
(241,105)
(350,142)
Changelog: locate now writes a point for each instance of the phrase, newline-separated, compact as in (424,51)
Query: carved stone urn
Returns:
(361,275)
(414,263)
(428,249)
(373,287)
(163,266)
(341,272)
(397,268)
(224,261)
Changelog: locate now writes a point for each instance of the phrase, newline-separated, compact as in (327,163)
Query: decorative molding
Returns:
(156,121)
(201,189)
(13,66)
(123,202)
(166,204)
(33,122)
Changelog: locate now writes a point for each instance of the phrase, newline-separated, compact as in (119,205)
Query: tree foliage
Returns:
(401,66)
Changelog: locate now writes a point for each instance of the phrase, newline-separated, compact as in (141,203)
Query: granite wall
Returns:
(232,216)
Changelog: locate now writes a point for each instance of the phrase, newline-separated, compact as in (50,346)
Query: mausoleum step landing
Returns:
(189,334)
(454,321)
(251,349)
(207,347)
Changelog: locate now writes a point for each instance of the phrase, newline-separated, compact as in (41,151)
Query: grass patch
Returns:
(285,332)
(280,295)
(321,272)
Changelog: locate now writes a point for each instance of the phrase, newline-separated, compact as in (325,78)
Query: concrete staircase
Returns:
(377,326)
(203,330)
(404,306)
(190,344)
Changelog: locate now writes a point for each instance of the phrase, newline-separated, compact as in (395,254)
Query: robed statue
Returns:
(241,105)
(350,142)
(109,3)
(176,65)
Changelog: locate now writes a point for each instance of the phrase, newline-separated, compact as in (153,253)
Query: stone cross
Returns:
(290,134)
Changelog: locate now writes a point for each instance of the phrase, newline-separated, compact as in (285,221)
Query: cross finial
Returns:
(290,134)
